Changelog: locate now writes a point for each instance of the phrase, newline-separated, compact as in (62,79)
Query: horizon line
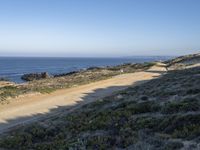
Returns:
(7,56)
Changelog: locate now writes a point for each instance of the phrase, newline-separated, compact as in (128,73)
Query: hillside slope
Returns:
(182,62)
(163,114)
(26,109)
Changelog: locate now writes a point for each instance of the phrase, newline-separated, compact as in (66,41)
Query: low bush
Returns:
(181,106)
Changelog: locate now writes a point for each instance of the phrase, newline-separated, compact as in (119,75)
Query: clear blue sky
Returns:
(99,27)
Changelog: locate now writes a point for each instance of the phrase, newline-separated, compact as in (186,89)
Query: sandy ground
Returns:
(5,83)
(34,107)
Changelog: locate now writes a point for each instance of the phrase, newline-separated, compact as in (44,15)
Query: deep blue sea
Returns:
(13,68)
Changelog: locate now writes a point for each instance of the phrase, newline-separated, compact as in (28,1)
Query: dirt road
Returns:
(31,108)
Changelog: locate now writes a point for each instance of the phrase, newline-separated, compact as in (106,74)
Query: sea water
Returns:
(13,68)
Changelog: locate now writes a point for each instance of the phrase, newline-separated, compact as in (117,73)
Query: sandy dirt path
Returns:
(31,108)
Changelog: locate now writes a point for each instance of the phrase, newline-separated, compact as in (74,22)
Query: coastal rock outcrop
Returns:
(35,76)
(3,79)
(66,74)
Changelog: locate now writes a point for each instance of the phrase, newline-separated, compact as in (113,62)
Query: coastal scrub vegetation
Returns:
(162,114)
(69,80)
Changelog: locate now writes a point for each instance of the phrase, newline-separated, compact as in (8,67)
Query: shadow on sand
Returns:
(63,110)
(156,71)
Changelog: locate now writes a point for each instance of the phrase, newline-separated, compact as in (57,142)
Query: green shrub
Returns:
(187,131)
(145,123)
(44,90)
(175,145)
(9,91)
(181,106)
(144,107)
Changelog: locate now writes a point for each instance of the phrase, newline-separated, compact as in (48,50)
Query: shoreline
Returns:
(4,79)
(64,81)
(63,66)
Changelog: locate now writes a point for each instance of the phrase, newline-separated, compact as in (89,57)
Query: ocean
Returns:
(12,68)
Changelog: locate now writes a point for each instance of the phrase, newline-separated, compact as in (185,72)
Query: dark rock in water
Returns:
(3,79)
(35,76)
(66,74)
